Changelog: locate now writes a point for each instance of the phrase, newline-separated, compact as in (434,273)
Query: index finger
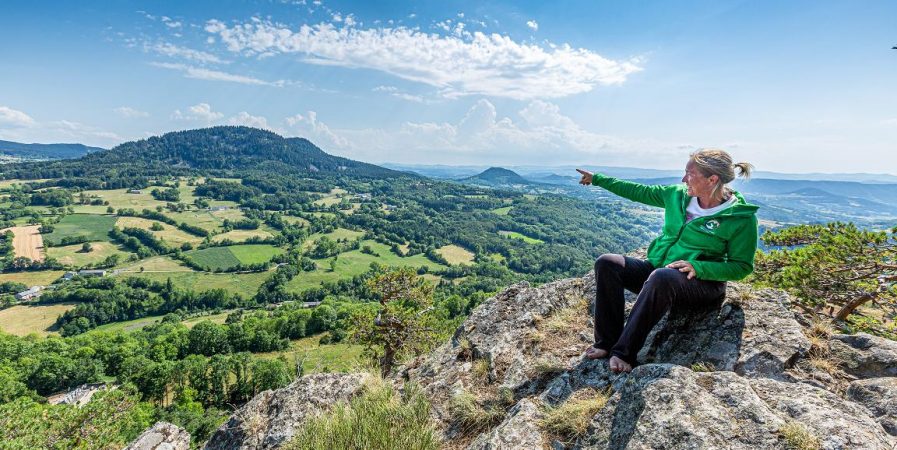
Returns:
(581,171)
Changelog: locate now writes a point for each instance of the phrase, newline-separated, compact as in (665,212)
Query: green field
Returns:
(41,277)
(322,358)
(71,254)
(503,211)
(522,237)
(245,284)
(233,255)
(94,227)
(22,320)
(173,236)
(120,198)
(241,235)
(355,262)
(339,233)
(455,254)
(136,324)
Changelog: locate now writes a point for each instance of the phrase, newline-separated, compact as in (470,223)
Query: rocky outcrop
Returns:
(879,395)
(865,356)
(732,377)
(270,419)
(162,436)
(672,407)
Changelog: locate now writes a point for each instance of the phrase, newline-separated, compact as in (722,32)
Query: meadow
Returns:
(92,227)
(228,257)
(520,236)
(316,357)
(71,255)
(22,320)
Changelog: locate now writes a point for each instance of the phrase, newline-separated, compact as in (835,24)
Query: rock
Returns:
(519,430)
(865,356)
(270,419)
(879,395)
(161,436)
(671,407)
(755,337)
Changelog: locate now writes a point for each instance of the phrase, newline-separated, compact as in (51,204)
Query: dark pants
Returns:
(658,291)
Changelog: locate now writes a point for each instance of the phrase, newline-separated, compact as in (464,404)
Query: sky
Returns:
(798,86)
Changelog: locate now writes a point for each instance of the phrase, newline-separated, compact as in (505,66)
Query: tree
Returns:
(833,268)
(86,247)
(403,325)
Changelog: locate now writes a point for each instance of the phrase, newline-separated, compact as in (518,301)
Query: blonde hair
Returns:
(713,161)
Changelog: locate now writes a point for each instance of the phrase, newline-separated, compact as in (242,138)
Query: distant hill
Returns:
(498,176)
(45,151)
(224,148)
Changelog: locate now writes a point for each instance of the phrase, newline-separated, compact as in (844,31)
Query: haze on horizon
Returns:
(798,87)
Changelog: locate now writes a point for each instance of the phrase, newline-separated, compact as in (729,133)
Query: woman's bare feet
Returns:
(595,353)
(618,365)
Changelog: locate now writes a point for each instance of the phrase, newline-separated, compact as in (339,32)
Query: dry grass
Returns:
(824,364)
(743,295)
(481,371)
(455,254)
(562,320)
(572,418)
(703,367)
(22,320)
(472,416)
(798,437)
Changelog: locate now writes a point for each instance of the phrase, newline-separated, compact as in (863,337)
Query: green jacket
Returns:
(721,246)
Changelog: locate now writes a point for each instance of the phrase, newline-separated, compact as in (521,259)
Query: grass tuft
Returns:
(471,416)
(703,367)
(378,419)
(572,418)
(798,437)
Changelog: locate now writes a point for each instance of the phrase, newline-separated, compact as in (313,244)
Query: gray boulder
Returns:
(161,436)
(865,356)
(671,407)
(753,334)
(520,430)
(879,395)
(271,418)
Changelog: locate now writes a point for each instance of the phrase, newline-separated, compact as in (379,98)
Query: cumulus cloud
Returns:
(458,63)
(533,25)
(201,112)
(130,113)
(244,118)
(307,125)
(15,118)
(201,73)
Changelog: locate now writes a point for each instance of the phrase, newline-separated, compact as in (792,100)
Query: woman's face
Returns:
(698,185)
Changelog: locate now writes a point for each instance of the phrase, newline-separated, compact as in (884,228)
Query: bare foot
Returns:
(618,365)
(595,353)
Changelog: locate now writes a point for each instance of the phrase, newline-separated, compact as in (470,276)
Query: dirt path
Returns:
(28,242)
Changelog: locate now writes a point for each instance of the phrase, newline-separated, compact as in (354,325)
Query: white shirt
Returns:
(693,211)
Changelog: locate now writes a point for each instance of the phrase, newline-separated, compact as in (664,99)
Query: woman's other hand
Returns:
(683,266)
(586,177)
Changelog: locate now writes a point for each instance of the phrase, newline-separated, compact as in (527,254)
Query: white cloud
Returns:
(130,113)
(168,49)
(533,25)
(460,63)
(308,126)
(201,112)
(395,92)
(200,73)
(244,118)
(170,23)
(13,117)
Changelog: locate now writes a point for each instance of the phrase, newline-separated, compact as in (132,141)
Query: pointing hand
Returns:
(586,177)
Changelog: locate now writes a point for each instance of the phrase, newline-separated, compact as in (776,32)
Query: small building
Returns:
(391,207)
(68,275)
(219,208)
(78,396)
(310,304)
(134,191)
(92,273)
(30,293)
(363,196)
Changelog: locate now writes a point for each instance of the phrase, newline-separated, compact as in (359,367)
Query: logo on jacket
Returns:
(711,224)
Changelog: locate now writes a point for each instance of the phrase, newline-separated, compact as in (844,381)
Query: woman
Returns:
(709,237)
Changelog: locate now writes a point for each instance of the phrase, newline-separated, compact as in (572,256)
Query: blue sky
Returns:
(789,86)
